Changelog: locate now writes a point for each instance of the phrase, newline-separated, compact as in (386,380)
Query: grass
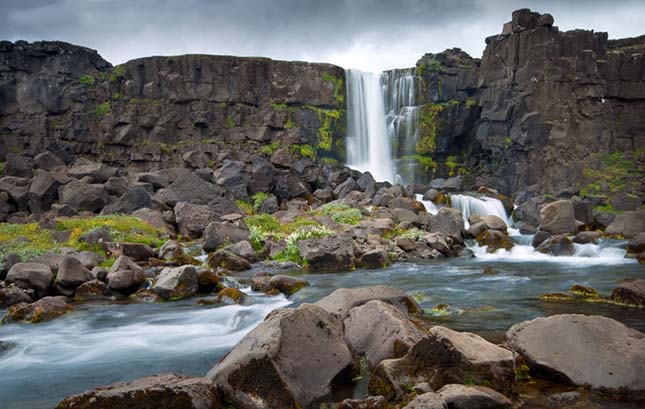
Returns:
(266,226)
(102,109)
(29,240)
(258,199)
(341,213)
(87,80)
(270,149)
(617,169)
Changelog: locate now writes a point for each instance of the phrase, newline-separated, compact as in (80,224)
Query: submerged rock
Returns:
(271,367)
(591,351)
(494,240)
(163,390)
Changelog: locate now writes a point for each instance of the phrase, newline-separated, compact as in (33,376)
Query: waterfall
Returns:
(383,118)
(482,206)
(368,145)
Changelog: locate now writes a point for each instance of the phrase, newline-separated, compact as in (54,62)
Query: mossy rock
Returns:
(494,240)
(232,294)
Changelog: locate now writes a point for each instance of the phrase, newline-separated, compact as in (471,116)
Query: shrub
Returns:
(87,80)
(342,213)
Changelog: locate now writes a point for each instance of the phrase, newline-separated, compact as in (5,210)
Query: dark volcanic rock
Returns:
(627,224)
(630,292)
(83,196)
(176,283)
(13,295)
(45,309)
(31,276)
(341,301)
(473,397)
(334,253)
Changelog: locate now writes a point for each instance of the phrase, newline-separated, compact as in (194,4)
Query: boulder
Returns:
(539,237)
(491,222)
(404,216)
(271,367)
(630,292)
(131,201)
(349,185)
(218,234)
(448,222)
(283,283)
(557,245)
(226,259)
(428,400)
(83,196)
(189,187)
(627,224)
(93,290)
(370,402)
(176,283)
(48,161)
(154,218)
(231,176)
(558,218)
(13,295)
(242,249)
(15,165)
(34,276)
(100,235)
(591,351)
(473,397)
(637,244)
(135,251)
(378,330)
(125,276)
(376,257)
(71,274)
(445,356)
(163,390)
(334,253)
(43,192)
(45,309)
(585,237)
(625,201)
(192,219)
(341,301)
(494,240)
(99,172)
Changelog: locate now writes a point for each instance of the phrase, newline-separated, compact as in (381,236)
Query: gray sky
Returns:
(371,35)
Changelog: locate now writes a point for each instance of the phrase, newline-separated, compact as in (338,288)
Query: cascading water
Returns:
(484,206)
(368,145)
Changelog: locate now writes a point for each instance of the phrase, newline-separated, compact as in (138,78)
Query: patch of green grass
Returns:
(258,199)
(26,240)
(87,80)
(329,161)
(102,109)
(127,229)
(244,206)
(290,253)
(116,74)
(617,169)
(342,213)
(270,149)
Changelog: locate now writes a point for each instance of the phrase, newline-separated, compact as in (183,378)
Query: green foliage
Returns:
(452,164)
(264,223)
(433,66)
(116,74)
(313,232)
(279,107)
(508,141)
(328,161)
(304,150)
(327,118)
(290,253)
(229,122)
(427,163)
(616,171)
(102,109)
(128,229)
(342,213)
(244,206)
(270,148)
(339,87)
(258,199)
(471,102)
(414,234)
(289,124)
(117,96)
(453,102)
(428,128)
(2,167)
(87,80)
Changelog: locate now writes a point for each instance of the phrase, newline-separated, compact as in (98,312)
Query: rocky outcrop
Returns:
(612,360)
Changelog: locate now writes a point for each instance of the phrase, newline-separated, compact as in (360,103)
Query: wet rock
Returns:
(176,283)
(231,295)
(13,295)
(283,283)
(334,253)
(370,402)
(445,356)
(373,258)
(192,219)
(83,196)
(552,348)
(93,290)
(34,276)
(585,237)
(494,240)
(428,400)
(627,224)
(557,245)
(630,292)
(171,390)
(218,234)
(378,330)
(242,249)
(558,218)
(45,309)
(226,259)
(341,301)
(540,237)
(448,222)
(273,363)
(473,397)
(637,244)
(71,274)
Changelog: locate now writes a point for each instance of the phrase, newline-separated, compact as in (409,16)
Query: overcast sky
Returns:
(371,35)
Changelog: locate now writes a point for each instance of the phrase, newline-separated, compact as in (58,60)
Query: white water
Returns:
(430,207)
(483,206)
(368,145)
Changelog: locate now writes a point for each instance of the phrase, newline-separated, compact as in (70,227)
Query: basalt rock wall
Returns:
(148,112)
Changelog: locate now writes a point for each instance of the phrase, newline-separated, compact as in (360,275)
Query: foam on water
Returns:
(430,207)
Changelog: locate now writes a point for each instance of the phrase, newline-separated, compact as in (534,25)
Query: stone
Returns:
(627,224)
(448,222)
(218,234)
(428,400)
(226,259)
(378,330)
(630,292)
(494,240)
(473,397)
(404,216)
(373,258)
(83,196)
(545,20)
(552,348)
(125,276)
(93,290)
(45,309)
(558,218)
(242,249)
(334,253)
(625,201)
(48,161)
(96,236)
(271,366)
(189,188)
(370,402)
(192,219)
(13,295)
(99,172)
(131,201)
(343,189)
(445,356)
(170,390)
(154,218)
(195,159)
(43,192)
(135,251)
(71,274)
(557,245)
(637,244)
(365,181)
(540,237)
(34,276)
(431,195)
(341,301)
(283,283)
(15,165)
(176,283)
(585,237)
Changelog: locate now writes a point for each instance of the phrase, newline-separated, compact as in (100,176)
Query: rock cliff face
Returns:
(147,112)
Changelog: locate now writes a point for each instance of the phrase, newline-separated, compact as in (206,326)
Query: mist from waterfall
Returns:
(383,119)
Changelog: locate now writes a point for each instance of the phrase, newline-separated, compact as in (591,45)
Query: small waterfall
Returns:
(483,206)
(368,145)
(430,207)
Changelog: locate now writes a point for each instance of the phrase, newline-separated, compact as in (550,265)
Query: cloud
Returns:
(367,34)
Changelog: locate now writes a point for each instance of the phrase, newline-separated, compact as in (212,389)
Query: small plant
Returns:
(289,124)
(229,122)
(116,74)
(102,109)
(315,232)
(279,107)
(290,253)
(244,206)
(471,102)
(305,151)
(270,148)
(87,80)
(342,213)
(508,141)
(258,199)
(339,87)
(414,234)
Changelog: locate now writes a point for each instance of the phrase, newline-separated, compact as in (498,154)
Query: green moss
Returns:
(616,170)
(270,148)
(453,102)
(117,96)
(289,124)
(304,150)
(102,109)
(427,162)
(328,161)
(229,122)
(452,165)
(432,66)
(290,253)
(87,80)
(279,107)
(339,87)
(116,74)
(2,167)
(508,141)
(244,206)
(342,213)
(429,127)
(471,102)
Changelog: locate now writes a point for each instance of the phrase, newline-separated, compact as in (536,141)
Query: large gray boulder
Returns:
(591,351)
(131,201)
(630,292)
(558,218)
(292,359)
(163,390)
(473,397)
(83,196)
(378,330)
(176,283)
(218,234)
(189,187)
(341,301)
(43,191)
(13,295)
(35,276)
(125,276)
(99,172)
(442,357)
(334,253)
(627,224)
(45,309)
(192,219)
(428,400)
(71,274)
(16,165)
(447,222)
